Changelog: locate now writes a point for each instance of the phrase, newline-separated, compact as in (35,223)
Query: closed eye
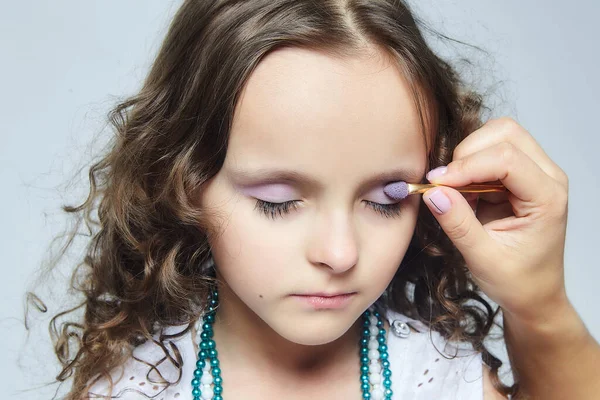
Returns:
(274,210)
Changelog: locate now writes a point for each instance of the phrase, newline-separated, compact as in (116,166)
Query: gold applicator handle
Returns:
(414,188)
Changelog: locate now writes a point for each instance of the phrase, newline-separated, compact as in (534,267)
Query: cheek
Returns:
(254,254)
(251,257)
(388,243)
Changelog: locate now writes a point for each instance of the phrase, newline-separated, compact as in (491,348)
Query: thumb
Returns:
(457,219)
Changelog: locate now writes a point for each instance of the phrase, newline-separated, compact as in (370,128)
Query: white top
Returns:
(419,371)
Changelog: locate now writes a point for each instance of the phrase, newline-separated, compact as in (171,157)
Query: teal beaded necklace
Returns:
(375,377)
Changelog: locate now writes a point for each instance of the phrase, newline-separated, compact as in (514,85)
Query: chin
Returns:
(313,330)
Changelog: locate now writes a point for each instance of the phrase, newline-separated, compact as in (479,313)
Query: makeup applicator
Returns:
(400,190)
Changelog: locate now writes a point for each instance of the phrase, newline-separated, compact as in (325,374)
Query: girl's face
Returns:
(323,136)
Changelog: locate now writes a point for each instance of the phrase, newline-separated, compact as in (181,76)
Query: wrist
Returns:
(553,356)
(555,323)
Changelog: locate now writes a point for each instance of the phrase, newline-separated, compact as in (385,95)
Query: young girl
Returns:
(246,248)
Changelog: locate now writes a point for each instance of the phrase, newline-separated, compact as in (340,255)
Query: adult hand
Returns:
(514,244)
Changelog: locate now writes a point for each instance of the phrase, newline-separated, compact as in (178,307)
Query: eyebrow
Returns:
(269,176)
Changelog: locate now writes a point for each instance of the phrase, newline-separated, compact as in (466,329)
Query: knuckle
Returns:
(509,129)
(507,152)
(561,200)
(458,152)
(460,231)
(563,178)
(556,202)
(459,166)
(508,125)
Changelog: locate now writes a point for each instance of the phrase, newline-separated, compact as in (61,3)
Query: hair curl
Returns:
(141,268)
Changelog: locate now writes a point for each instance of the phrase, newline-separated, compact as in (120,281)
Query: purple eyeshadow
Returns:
(276,192)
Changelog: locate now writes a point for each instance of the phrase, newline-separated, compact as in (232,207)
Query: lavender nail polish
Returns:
(441,203)
(434,173)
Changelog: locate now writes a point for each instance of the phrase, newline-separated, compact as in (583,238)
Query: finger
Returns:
(507,130)
(458,221)
(504,162)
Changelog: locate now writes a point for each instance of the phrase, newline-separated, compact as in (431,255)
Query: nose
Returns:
(333,243)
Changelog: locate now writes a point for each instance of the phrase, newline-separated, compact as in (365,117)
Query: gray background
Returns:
(66,63)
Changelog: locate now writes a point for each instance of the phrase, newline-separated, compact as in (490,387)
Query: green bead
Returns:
(209,352)
(205,335)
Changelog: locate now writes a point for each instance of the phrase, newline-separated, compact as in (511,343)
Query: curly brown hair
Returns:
(141,268)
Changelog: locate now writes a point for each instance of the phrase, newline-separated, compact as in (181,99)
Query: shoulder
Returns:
(427,366)
(154,371)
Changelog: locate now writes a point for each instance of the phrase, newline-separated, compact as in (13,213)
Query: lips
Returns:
(324,294)
(323,300)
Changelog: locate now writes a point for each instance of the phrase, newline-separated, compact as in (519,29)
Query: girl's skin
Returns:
(341,122)
(338,122)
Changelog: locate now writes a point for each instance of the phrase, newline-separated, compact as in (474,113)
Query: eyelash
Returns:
(274,210)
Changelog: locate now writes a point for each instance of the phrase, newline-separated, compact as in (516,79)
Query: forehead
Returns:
(321,115)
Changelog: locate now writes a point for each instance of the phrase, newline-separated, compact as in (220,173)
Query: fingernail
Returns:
(434,173)
(441,202)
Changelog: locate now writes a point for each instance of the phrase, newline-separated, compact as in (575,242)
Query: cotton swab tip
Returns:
(396,190)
